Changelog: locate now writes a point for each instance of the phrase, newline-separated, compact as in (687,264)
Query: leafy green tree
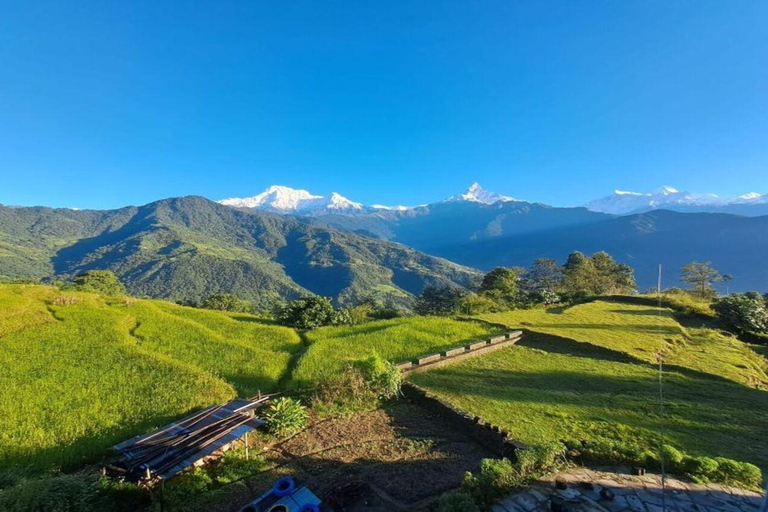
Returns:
(502,280)
(477,303)
(226,302)
(312,312)
(542,282)
(100,281)
(701,277)
(579,276)
(744,313)
(612,277)
(438,300)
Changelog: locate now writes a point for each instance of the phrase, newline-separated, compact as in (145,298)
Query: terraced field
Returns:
(398,339)
(82,372)
(589,372)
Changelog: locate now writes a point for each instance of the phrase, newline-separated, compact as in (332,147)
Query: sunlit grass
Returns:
(589,372)
(397,340)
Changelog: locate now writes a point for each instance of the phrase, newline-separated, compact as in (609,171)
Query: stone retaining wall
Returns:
(457,354)
(489,436)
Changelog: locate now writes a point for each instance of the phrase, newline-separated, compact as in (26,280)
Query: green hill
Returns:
(189,248)
(82,372)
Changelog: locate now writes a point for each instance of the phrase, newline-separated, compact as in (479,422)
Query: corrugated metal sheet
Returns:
(178,445)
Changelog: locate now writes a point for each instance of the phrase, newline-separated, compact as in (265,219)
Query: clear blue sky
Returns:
(110,103)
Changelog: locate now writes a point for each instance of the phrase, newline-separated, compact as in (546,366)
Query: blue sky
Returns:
(111,103)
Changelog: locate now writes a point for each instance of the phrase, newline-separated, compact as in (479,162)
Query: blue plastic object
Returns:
(284,487)
(309,507)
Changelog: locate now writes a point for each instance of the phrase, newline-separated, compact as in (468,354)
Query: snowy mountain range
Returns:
(286,200)
(625,203)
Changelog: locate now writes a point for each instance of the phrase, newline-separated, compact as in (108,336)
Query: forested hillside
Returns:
(189,248)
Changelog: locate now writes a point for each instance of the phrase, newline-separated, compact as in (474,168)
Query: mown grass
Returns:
(82,374)
(396,340)
(640,331)
(589,372)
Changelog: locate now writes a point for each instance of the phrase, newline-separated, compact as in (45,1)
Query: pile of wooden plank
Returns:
(163,453)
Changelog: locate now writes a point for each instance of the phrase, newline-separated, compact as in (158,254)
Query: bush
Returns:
(734,472)
(285,416)
(233,467)
(743,313)
(227,302)
(310,313)
(100,281)
(344,392)
(700,469)
(67,493)
(540,457)
(383,377)
(438,301)
(187,485)
(457,502)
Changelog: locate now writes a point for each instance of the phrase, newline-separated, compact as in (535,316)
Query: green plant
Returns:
(743,313)
(457,502)
(312,312)
(734,472)
(540,457)
(701,469)
(383,377)
(227,302)
(285,416)
(100,281)
(234,466)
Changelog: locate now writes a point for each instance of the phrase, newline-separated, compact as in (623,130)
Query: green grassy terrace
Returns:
(590,372)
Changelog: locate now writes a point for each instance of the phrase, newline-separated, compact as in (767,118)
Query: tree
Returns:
(438,300)
(312,312)
(502,280)
(100,281)
(579,276)
(745,313)
(226,302)
(701,277)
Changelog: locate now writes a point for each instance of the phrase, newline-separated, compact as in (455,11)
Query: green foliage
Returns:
(743,313)
(589,372)
(701,469)
(585,276)
(497,477)
(457,502)
(503,281)
(100,281)
(476,304)
(333,348)
(383,377)
(285,416)
(438,301)
(312,312)
(701,277)
(124,366)
(234,467)
(190,248)
(66,493)
(226,302)
(735,472)
(187,485)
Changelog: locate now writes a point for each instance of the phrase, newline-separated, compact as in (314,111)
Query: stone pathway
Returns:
(615,490)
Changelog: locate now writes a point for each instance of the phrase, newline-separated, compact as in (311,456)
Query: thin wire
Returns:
(661,406)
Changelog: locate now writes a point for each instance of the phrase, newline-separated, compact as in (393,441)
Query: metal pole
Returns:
(661,410)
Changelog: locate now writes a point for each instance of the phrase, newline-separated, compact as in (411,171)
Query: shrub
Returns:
(701,469)
(67,493)
(540,457)
(285,416)
(227,302)
(343,392)
(100,281)
(457,502)
(732,471)
(743,313)
(310,313)
(383,377)
(438,301)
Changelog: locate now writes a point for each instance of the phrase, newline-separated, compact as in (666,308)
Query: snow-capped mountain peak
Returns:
(624,202)
(281,199)
(478,194)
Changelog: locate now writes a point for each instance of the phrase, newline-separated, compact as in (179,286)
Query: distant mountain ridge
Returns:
(668,198)
(188,248)
(286,200)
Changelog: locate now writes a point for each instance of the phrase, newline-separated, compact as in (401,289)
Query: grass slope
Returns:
(84,373)
(397,340)
(588,372)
